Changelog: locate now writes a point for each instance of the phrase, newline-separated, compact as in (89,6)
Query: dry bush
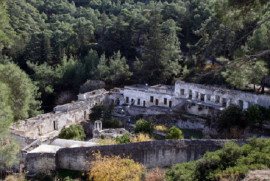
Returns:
(235,133)
(114,168)
(162,128)
(20,177)
(106,141)
(140,138)
(155,175)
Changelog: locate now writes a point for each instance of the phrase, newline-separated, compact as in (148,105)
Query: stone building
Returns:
(192,98)
(183,93)
(50,124)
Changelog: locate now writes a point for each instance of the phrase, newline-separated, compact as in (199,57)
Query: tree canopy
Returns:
(62,44)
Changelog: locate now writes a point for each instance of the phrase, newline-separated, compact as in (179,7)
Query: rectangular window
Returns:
(182,91)
(165,101)
(241,104)
(127,99)
(202,97)
(190,94)
(217,99)
(54,125)
(138,101)
(224,102)
(196,95)
(156,102)
(208,97)
(151,99)
(170,103)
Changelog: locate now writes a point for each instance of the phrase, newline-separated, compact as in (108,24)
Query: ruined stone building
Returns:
(192,98)
(37,135)
(197,99)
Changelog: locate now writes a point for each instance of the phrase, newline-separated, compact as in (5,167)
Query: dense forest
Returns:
(56,46)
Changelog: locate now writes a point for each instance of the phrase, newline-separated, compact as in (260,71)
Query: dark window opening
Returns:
(202,97)
(117,102)
(224,102)
(217,99)
(170,103)
(190,94)
(138,101)
(132,101)
(156,102)
(196,95)
(54,125)
(151,99)
(209,97)
(182,92)
(165,101)
(127,99)
(241,104)
(143,103)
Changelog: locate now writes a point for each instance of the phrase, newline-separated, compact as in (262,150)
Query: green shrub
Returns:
(74,132)
(144,126)
(256,114)
(96,112)
(123,139)
(230,117)
(232,162)
(174,133)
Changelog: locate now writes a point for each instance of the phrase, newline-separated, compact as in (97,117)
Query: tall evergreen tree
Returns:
(159,50)
(115,70)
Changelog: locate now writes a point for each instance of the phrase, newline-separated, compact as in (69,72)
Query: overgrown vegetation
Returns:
(162,128)
(73,132)
(127,138)
(232,162)
(106,141)
(104,113)
(234,119)
(114,168)
(155,175)
(174,133)
(144,126)
(123,139)
(62,44)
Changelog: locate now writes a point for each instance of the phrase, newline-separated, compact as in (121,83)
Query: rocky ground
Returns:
(258,175)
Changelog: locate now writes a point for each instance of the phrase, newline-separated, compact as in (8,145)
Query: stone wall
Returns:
(62,116)
(40,162)
(150,96)
(206,96)
(152,154)
(219,97)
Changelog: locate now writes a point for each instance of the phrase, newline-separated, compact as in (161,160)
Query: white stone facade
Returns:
(170,96)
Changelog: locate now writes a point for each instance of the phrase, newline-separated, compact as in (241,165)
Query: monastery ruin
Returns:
(194,99)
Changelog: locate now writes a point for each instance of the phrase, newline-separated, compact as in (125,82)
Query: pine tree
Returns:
(161,54)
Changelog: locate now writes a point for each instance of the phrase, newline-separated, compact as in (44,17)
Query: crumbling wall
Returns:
(150,96)
(152,154)
(62,116)
(220,97)
(40,162)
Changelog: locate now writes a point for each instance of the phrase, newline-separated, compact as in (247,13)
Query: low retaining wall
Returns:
(151,154)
